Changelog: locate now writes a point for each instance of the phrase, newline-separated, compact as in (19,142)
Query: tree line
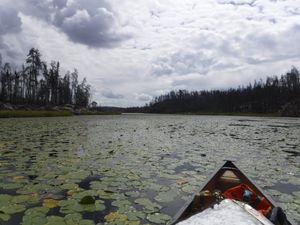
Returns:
(39,83)
(267,96)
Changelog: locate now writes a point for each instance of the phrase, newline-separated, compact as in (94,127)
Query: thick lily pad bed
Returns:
(136,169)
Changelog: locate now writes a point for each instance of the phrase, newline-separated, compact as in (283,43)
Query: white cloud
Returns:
(110,94)
(93,24)
(143,97)
(183,62)
(131,51)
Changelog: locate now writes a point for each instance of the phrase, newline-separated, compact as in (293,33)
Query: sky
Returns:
(133,50)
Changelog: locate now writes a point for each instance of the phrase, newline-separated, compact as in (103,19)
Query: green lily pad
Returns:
(85,222)
(86,200)
(12,208)
(69,186)
(9,186)
(125,209)
(158,218)
(96,185)
(120,203)
(135,215)
(133,194)
(4,198)
(73,219)
(286,198)
(98,206)
(168,196)
(55,220)
(25,199)
(294,180)
(107,194)
(190,189)
(4,216)
(148,204)
(297,194)
(36,211)
(82,194)
(115,216)
(76,176)
(50,203)
(69,206)
(72,206)
(274,192)
(27,190)
(35,216)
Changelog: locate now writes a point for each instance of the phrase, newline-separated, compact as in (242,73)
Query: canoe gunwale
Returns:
(189,202)
(224,166)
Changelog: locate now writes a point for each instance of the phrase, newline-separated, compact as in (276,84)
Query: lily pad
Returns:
(115,216)
(69,206)
(69,186)
(72,206)
(168,196)
(50,203)
(97,206)
(286,198)
(158,218)
(55,220)
(85,222)
(4,198)
(135,215)
(148,204)
(9,186)
(80,195)
(86,200)
(4,216)
(120,203)
(31,198)
(35,216)
(190,189)
(133,194)
(12,208)
(73,219)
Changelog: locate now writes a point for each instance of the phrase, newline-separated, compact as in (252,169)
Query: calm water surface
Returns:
(138,168)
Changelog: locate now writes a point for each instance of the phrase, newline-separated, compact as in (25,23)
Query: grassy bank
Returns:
(32,113)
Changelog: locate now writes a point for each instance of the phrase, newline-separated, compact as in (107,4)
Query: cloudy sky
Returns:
(131,51)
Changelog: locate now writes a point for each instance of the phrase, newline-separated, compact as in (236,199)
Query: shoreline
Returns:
(19,113)
(48,113)
(249,114)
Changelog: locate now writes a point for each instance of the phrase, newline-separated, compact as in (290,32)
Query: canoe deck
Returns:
(228,176)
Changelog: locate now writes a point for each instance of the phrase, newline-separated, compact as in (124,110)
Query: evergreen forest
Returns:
(268,96)
(41,84)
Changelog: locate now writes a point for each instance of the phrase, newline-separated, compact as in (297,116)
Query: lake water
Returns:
(138,168)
